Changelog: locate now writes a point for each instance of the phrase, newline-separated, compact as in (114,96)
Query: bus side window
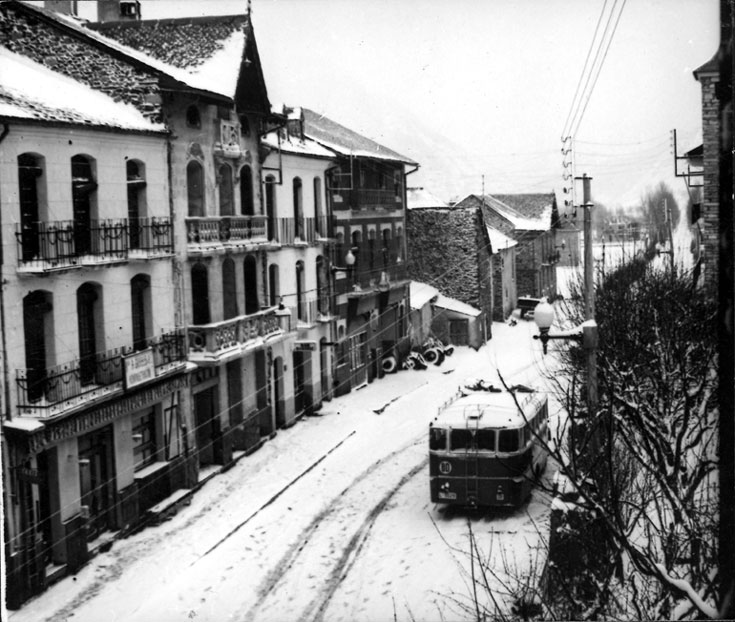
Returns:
(508,440)
(437,438)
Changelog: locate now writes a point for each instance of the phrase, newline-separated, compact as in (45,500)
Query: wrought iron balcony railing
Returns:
(366,198)
(51,391)
(50,245)
(289,231)
(212,342)
(226,229)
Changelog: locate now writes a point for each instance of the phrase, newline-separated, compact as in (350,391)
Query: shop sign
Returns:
(139,368)
(32,476)
(305,346)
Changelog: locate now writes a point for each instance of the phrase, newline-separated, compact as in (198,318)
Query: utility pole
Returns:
(589,328)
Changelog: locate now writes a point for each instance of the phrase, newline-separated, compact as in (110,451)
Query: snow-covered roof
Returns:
(499,241)
(30,90)
(526,212)
(452,304)
(541,222)
(494,409)
(205,53)
(345,141)
(420,198)
(306,147)
(421,293)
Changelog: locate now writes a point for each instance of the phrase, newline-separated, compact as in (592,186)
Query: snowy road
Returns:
(331,520)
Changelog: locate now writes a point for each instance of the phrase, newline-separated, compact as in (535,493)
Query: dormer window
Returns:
(129,8)
(193,119)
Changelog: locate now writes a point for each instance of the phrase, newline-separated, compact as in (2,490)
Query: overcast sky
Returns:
(497,77)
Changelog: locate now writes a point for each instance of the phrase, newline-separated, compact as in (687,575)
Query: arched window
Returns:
(321,225)
(386,247)
(84,198)
(229,289)
(135,172)
(274,286)
(193,118)
(321,285)
(199,294)
(250,266)
(88,319)
(30,171)
(140,307)
(300,288)
(37,329)
(298,208)
(270,206)
(195,188)
(247,200)
(226,202)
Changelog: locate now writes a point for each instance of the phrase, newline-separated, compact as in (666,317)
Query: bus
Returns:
(487,447)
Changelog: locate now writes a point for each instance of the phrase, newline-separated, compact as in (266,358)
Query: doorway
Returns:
(205,409)
(96,479)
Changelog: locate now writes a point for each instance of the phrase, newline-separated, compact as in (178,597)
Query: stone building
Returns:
(531,220)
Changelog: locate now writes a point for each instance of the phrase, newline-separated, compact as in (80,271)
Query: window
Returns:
(247,205)
(273,285)
(83,188)
(229,288)
(270,205)
(252,302)
(135,173)
(193,119)
(144,439)
(508,440)
(128,8)
(88,304)
(30,170)
(486,440)
(195,188)
(140,309)
(226,199)
(320,224)
(37,310)
(437,439)
(200,294)
(300,286)
(461,439)
(298,208)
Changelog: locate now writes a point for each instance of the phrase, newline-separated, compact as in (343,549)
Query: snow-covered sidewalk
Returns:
(330,520)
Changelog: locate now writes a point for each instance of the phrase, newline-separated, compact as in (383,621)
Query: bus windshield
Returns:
(508,440)
(437,438)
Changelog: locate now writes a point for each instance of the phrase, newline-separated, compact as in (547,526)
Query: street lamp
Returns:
(544,315)
(349,261)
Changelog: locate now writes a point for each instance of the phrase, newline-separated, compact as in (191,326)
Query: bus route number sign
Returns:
(445,468)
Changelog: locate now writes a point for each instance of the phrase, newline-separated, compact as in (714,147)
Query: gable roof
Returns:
(215,53)
(420,198)
(33,92)
(421,293)
(532,218)
(452,304)
(498,240)
(536,206)
(346,142)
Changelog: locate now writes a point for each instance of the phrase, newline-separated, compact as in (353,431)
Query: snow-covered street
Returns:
(330,520)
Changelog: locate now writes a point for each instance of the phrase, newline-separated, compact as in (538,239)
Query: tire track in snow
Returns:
(341,560)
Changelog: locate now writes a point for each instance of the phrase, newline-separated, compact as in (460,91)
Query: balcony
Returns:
(297,231)
(66,244)
(232,232)
(215,343)
(366,199)
(49,392)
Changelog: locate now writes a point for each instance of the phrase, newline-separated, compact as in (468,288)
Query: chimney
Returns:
(118,10)
(68,7)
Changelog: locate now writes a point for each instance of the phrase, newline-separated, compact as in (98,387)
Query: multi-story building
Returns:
(366,204)
(95,373)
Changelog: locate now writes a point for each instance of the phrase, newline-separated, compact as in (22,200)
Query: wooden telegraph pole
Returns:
(589,327)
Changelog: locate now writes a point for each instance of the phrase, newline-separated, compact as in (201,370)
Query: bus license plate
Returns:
(447,495)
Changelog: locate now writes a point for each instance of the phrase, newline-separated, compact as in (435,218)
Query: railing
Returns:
(305,312)
(225,229)
(366,198)
(52,390)
(323,227)
(212,340)
(67,243)
(290,230)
